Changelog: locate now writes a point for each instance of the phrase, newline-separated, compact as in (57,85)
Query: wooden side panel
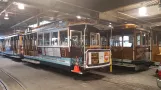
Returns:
(155,54)
(76,52)
(128,53)
(64,52)
(117,52)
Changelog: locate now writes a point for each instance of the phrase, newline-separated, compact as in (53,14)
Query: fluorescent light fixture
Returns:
(21,6)
(143,11)
(6,16)
(44,22)
(78,17)
(110,26)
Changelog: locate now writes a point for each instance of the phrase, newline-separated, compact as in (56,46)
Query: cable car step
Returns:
(31,61)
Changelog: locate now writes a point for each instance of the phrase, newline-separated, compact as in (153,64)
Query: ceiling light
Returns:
(143,11)
(21,6)
(110,23)
(110,26)
(6,17)
(78,17)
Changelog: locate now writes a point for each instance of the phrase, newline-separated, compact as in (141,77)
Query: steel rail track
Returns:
(3,85)
(13,78)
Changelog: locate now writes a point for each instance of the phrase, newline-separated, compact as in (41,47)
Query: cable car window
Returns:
(138,39)
(159,39)
(120,41)
(94,39)
(40,39)
(46,39)
(154,38)
(103,41)
(63,38)
(54,38)
(145,39)
(116,41)
(34,39)
(126,41)
(76,38)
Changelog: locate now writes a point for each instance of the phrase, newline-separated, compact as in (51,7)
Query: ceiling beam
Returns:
(3,11)
(23,21)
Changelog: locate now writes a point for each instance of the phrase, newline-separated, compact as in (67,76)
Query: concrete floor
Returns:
(39,77)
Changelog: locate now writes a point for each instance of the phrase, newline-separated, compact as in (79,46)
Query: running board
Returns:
(124,64)
(31,61)
(17,57)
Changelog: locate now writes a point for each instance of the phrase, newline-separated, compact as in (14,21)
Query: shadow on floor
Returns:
(85,77)
(15,59)
(119,70)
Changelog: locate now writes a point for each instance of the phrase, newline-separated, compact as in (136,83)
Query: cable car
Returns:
(77,47)
(131,47)
(156,44)
(12,46)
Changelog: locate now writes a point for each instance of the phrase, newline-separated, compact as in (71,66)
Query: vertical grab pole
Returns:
(151,43)
(122,46)
(134,43)
(85,46)
(111,52)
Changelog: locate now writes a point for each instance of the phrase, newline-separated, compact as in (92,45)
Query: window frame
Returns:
(97,38)
(42,39)
(80,36)
(52,36)
(51,31)
(49,38)
(67,38)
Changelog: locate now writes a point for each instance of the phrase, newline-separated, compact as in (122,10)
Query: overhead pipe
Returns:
(5,8)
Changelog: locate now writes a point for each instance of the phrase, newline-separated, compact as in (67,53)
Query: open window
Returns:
(127,41)
(138,39)
(54,39)
(154,39)
(94,39)
(104,41)
(34,39)
(145,39)
(47,39)
(116,40)
(40,39)
(64,38)
(76,38)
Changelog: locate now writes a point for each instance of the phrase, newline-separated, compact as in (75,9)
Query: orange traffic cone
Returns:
(76,69)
